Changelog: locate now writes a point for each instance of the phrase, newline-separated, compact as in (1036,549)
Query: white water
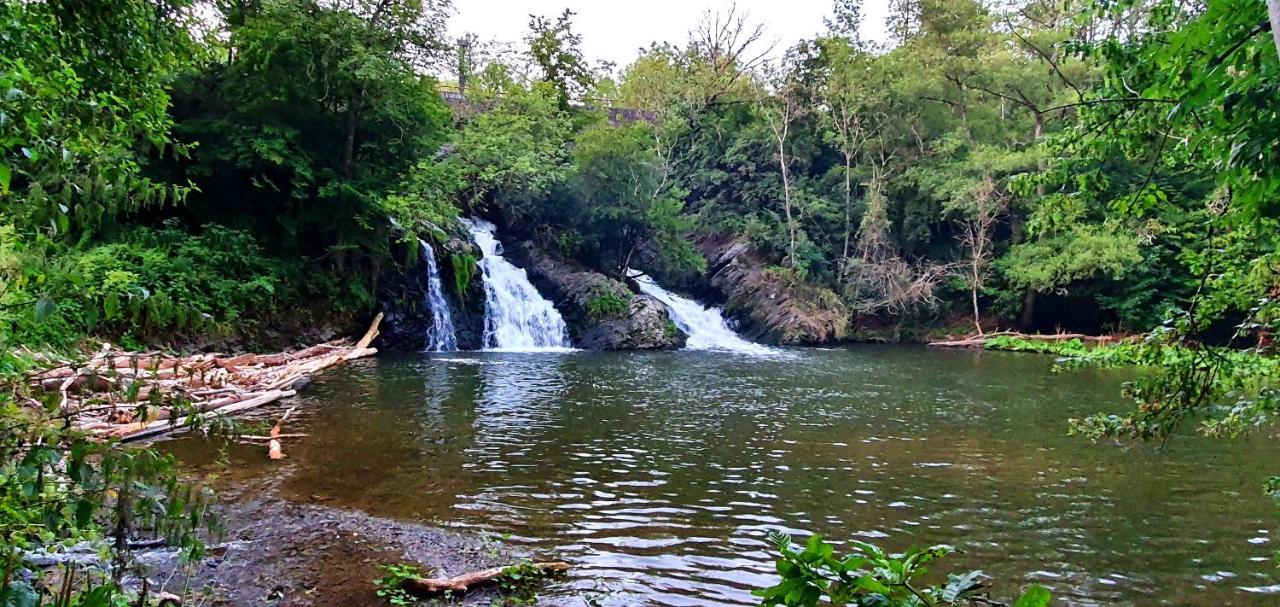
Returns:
(516,317)
(706,327)
(441,337)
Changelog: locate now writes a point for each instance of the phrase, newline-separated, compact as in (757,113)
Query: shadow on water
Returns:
(659,474)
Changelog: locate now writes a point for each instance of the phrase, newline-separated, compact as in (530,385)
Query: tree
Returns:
(86,107)
(314,115)
(509,157)
(845,21)
(629,200)
(851,89)
(556,50)
(781,109)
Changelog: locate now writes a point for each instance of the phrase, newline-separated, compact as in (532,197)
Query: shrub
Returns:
(604,305)
(152,283)
(870,576)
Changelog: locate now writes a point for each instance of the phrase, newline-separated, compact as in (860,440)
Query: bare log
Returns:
(161,427)
(461,583)
(976,341)
(370,334)
(124,395)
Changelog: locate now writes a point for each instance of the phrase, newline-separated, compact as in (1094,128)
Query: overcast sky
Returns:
(614,31)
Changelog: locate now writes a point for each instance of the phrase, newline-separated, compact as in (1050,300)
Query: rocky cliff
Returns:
(602,313)
(769,305)
(402,297)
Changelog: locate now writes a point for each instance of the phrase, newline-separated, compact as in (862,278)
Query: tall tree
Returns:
(557,51)
(782,108)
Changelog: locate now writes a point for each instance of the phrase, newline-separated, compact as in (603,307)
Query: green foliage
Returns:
(58,488)
(464,271)
(512,155)
(556,50)
(310,124)
(1050,263)
(869,576)
(391,585)
(606,305)
(151,283)
(85,102)
(520,583)
(624,184)
(1229,392)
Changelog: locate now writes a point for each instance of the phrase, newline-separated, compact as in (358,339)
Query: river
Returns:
(659,474)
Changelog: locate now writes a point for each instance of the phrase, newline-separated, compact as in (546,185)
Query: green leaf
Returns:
(1035,596)
(44,307)
(871,584)
(84,512)
(98,597)
(5,176)
(19,594)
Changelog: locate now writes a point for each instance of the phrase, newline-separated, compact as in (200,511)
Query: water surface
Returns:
(659,474)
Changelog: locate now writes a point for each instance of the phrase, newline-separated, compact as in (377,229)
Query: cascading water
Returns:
(442,337)
(706,327)
(516,317)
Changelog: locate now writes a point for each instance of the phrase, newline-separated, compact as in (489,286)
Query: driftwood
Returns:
(274,449)
(977,341)
(461,583)
(129,396)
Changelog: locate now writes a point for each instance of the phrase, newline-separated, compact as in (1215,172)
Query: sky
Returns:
(615,31)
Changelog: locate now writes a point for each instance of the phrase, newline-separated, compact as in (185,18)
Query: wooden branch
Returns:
(162,427)
(134,395)
(461,583)
(274,449)
(976,341)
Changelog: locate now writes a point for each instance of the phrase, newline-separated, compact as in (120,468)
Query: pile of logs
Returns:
(129,396)
(977,341)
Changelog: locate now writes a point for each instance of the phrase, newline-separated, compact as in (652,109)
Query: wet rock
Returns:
(768,305)
(602,313)
(645,326)
(402,297)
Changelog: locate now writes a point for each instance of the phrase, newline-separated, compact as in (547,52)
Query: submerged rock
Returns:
(767,304)
(602,313)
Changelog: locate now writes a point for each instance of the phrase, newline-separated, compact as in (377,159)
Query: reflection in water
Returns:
(661,473)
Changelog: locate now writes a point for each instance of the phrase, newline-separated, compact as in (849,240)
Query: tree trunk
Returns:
(349,145)
(973,292)
(848,201)
(1028,314)
(786,199)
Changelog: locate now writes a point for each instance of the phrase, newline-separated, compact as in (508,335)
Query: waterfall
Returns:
(441,337)
(706,327)
(516,317)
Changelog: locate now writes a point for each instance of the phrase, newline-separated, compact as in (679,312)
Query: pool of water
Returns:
(659,474)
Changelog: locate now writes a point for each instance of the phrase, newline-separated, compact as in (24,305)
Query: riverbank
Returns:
(279,552)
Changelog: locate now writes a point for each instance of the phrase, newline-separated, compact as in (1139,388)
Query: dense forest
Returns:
(179,170)
(192,175)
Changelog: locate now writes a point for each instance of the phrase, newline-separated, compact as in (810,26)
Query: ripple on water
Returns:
(660,475)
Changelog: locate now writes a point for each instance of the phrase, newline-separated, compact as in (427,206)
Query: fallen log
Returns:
(130,396)
(161,427)
(977,341)
(461,583)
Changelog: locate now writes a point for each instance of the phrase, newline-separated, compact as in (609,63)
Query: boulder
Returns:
(770,305)
(602,313)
